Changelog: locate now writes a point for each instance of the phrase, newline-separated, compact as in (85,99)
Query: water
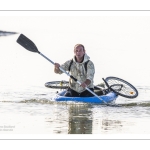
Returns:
(25,103)
(30,111)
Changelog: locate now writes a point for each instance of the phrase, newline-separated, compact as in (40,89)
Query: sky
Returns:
(117,43)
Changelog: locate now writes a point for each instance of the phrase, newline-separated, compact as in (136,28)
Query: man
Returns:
(80,68)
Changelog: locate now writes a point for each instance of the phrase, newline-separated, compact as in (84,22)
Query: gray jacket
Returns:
(78,71)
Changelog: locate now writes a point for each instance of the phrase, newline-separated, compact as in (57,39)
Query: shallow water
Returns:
(30,110)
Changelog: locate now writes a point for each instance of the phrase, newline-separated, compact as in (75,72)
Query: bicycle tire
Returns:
(65,84)
(57,84)
(127,90)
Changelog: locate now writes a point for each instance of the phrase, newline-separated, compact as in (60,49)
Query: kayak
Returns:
(114,87)
(108,98)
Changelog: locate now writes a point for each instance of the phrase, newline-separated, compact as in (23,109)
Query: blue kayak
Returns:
(108,98)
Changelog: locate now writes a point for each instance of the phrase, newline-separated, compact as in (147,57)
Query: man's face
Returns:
(79,52)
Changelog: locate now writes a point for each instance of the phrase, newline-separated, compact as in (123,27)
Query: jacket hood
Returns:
(86,58)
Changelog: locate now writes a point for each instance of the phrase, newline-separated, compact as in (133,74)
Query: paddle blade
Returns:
(27,43)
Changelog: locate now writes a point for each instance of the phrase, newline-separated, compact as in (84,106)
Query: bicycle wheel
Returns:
(57,84)
(121,87)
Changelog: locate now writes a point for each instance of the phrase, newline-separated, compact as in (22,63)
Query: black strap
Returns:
(85,65)
(70,65)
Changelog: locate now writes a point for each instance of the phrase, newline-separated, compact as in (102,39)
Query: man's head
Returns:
(79,51)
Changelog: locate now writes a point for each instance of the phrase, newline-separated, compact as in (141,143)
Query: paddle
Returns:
(29,45)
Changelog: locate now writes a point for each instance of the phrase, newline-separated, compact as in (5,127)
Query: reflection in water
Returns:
(70,119)
(80,120)
(111,124)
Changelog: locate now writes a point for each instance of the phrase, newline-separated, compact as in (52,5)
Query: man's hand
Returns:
(86,83)
(56,67)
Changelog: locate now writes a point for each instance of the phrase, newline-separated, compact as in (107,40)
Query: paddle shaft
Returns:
(72,77)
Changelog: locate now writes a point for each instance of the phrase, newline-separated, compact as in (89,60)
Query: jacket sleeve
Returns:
(64,66)
(90,70)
